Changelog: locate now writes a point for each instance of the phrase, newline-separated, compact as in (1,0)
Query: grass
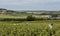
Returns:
(13,16)
(28,28)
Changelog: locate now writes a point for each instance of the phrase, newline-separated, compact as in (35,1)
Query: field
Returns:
(29,28)
(13,16)
(29,23)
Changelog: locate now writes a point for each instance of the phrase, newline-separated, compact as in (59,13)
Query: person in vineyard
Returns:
(51,30)
(50,26)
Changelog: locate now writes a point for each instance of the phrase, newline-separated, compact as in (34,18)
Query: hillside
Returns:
(5,13)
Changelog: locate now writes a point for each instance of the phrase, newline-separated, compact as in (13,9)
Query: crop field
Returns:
(29,28)
(13,16)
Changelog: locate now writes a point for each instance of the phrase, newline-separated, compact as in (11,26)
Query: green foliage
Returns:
(54,15)
(30,18)
(33,28)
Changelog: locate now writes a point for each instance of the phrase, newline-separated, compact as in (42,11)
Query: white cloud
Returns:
(22,2)
(29,4)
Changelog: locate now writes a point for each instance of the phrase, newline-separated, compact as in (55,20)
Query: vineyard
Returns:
(29,28)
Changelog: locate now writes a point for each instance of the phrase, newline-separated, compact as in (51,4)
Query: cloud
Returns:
(22,2)
(30,4)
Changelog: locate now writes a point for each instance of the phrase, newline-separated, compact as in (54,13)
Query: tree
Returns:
(54,15)
(30,18)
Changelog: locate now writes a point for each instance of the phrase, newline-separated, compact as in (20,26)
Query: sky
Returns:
(51,5)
